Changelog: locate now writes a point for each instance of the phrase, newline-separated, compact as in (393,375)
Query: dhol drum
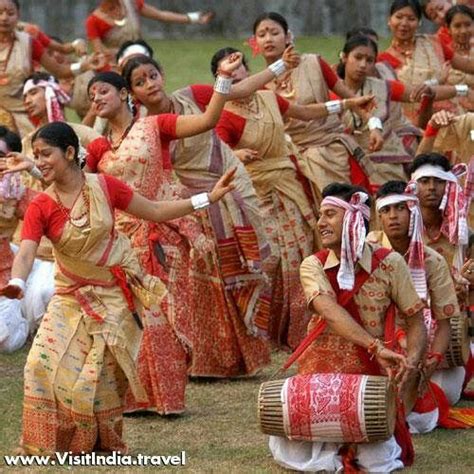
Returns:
(457,354)
(340,408)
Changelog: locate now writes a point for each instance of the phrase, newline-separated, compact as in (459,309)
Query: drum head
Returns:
(458,351)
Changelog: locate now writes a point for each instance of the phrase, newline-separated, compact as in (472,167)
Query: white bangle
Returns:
(431,82)
(462,90)
(36,173)
(375,123)
(278,67)
(77,42)
(200,201)
(76,68)
(333,106)
(18,282)
(223,85)
(194,17)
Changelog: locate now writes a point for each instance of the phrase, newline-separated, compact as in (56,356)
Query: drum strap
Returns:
(345,298)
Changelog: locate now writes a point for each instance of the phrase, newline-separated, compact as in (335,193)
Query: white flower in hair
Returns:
(130,103)
(81,156)
(291,37)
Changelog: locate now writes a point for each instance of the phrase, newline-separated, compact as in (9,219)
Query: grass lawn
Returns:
(219,430)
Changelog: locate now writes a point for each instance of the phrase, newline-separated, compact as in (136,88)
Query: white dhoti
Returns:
(39,290)
(305,456)
(451,382)
(13,327)
(421,423)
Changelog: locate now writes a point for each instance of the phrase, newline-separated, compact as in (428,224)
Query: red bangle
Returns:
(436,355)
(430,131)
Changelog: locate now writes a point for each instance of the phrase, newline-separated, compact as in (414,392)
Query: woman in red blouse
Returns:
(18,52)
(460,23)
(355,68)
(83,356)
(327,154)
(115,21)
(420,58)
(236,225)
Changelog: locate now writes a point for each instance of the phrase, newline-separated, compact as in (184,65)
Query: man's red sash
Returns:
(345,298)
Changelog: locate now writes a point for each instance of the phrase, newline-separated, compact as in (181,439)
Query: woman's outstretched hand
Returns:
(361,105)
(223,186)
(14,163)
(206,17)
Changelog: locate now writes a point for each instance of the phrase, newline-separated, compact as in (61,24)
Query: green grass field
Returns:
(219,430)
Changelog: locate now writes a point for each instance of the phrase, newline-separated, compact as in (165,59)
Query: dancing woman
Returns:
(327,154)
(236,225)
(358,59)
(18,51)
(83,356)
(420,58)
(116,21)
(138,151)
(460,22)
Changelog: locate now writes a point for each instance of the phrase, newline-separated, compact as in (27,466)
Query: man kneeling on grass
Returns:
(355,338)
(402,230)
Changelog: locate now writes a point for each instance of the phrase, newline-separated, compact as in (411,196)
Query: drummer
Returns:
(352,342)
(444,207)
(402,229)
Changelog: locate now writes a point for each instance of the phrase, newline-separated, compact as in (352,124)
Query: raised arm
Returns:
(440,119)
(463,63)
(438,92)
(257,81)
(189,125)
(65,71)
(201,18)
(313,111)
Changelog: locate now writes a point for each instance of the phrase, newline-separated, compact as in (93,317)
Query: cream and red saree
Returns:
(290,221)
(83,356)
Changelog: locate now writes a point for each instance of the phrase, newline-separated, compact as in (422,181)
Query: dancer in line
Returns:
(83,356)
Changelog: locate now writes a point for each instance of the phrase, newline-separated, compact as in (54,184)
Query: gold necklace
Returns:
(116,146)
(79,222)
(406,52)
